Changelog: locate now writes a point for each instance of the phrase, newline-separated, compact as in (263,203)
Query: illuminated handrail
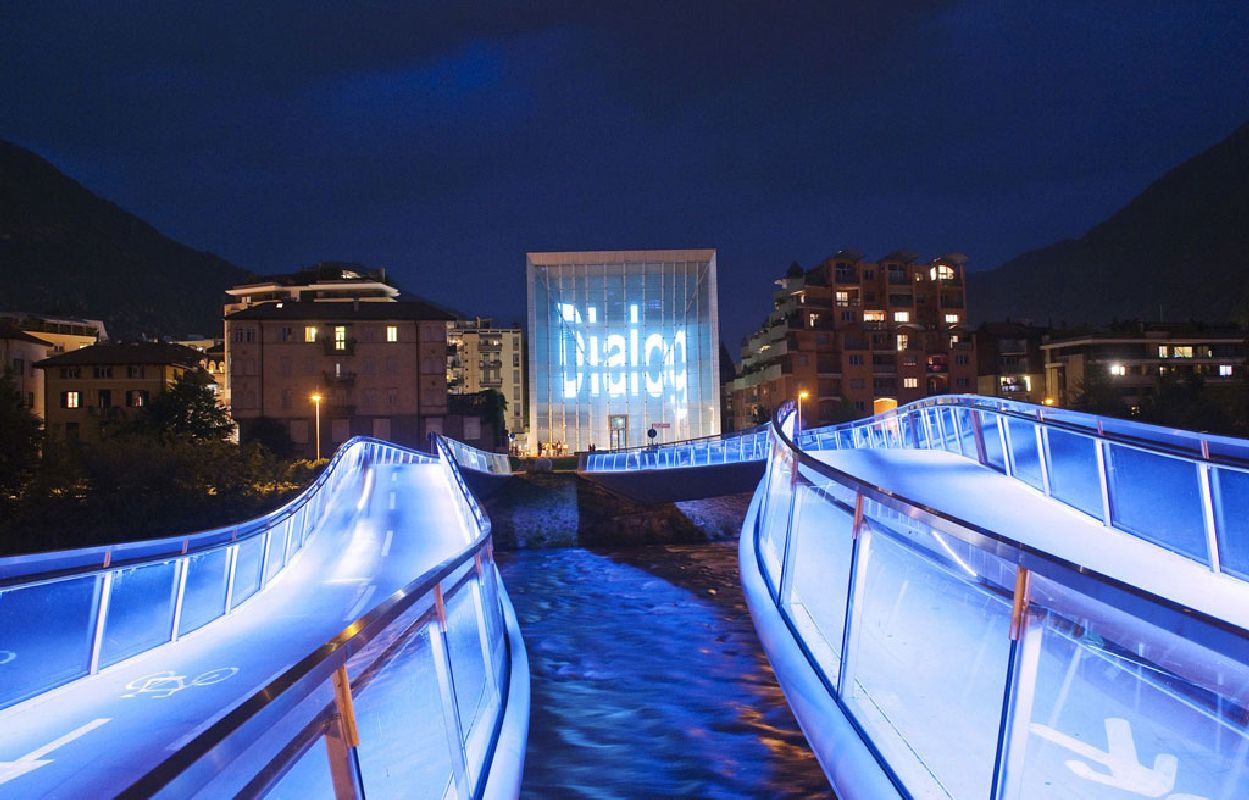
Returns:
(64,598)
(469,457)
(315,700)
(725,448)
(954,652)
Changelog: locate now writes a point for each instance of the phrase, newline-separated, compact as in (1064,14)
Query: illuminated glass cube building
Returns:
(622,342)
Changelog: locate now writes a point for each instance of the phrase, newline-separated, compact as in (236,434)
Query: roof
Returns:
(344,272)
(553,259)
(14,334)
(126,353)
(345,311)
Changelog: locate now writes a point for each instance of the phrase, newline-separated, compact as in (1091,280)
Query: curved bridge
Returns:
(967,598)
(358,640)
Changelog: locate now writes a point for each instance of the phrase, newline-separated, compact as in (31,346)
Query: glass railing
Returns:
(479,460)
(1187,492)
(68,614)
(726,448)
(972,665)
(407,701)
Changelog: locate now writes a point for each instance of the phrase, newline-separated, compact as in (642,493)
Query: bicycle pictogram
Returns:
(167,683)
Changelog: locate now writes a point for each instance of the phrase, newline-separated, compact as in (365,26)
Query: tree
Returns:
(21,433)
(189,408)
(272,434)
(1096,394)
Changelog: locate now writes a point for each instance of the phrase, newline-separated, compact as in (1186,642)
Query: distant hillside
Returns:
(64,250)
(1182,245)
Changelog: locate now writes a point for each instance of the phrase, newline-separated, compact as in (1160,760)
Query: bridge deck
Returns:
(995,502)
(94,736)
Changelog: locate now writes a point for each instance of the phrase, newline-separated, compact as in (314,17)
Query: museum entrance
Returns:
(618,427)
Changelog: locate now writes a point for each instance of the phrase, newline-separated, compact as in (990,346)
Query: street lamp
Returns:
(802,395)
(316,402)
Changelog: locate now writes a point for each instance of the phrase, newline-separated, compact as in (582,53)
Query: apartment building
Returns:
(63,333)
(326,282)
(850,332)
(108,382)
(481,357)
(19,352)
(379,369)
(1131,357)
(1010,361)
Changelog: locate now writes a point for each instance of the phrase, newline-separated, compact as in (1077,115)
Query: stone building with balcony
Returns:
(481,357)
(115,381)
(1010,361)
(850,332)
(379,367)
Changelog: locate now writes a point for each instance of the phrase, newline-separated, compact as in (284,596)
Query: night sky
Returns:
(443,141)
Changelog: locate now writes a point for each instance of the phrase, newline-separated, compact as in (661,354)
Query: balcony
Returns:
(846,276)
(339,378)
(899,278)
(340,347)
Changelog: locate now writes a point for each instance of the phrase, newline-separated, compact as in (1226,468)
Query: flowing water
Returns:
(648,680)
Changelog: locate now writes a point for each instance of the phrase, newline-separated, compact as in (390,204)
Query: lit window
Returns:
(902,316)
(71,399)
(1225,370)
(873,316)
(392,333)
(1182,351)
(340,337)
(941,272)
(843,298)
(310,333)
(903,341)
(910,383)
(951,319)
(1162,351)
(1118,369)
(953,341)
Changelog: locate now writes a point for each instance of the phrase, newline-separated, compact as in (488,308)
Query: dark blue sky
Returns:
(443,142)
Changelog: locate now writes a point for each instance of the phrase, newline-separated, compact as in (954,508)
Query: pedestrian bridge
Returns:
(962,598)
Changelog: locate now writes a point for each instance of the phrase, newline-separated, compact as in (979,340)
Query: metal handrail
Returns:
(469,457)
(688,442)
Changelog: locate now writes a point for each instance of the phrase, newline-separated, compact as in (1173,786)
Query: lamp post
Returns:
(316,402)
(802,395)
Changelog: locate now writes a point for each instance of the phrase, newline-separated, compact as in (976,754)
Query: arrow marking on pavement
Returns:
(35,758)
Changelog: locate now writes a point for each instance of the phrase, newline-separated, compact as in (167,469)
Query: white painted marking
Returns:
(35,758)
(1123,769)
(394,476)
(6,656)
(392,499)
(168,683)
(390,535)
(359,607)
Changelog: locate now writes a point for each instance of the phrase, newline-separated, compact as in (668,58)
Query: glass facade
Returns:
(622,342)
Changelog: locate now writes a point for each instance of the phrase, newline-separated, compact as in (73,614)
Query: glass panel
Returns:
(1023,451)
(1124,708)
(1157,498)
(1231,490)
(308,778)
(929,658)
(247,569)
(993,455)
(140,611)
(277,550)
(204,598)
(403,740)
(1073,471)
(821,562)
(45,636)
(967,435)
(776,515)
(467,666)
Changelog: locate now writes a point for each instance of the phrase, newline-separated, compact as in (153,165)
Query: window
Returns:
(962,359)
(310,333)
(903,341)
(812,320)
(104,398)
(515,359)
(136,398)
(340,337)
(1182,351)
(843,298)
(941,272)
(951,319)
(873,316)
(1118,369)
(392,396)
(286,334)
(1162,351)
(869,274)
(953,341)
(856,359)
(910,383)
(1225,370)
(71,399)
(963,383)
(102,372)
(392,333)
(846,316)
(902,316)
(71,372)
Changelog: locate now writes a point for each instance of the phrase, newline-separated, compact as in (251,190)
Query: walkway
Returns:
(96,735)
(648,679)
